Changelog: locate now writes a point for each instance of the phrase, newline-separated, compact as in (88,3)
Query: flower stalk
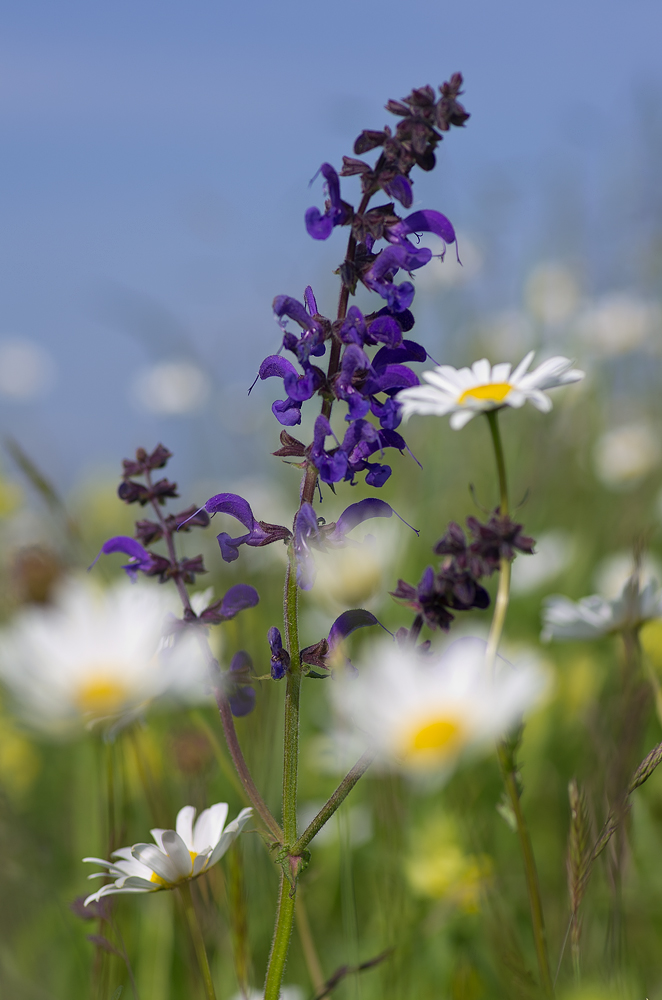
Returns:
(506,755)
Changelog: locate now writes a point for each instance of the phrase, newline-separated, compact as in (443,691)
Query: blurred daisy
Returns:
(624,455)
(594,617)
(178,855)
(464,392)
(420,713)
(97,655)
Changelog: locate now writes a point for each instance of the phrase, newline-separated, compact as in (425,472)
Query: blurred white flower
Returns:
(421,713)
(178,856)
(286,993)
(97,655)
(594,617)
(624,455)
(618,323)
(358,575)
(552,293)
(26,369)
(172,388)
(464,392)
(553,554)
(613,572)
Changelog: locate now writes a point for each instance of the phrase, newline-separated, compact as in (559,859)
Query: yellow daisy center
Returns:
(101,694)
(493,392)
(432,739)
(167,885)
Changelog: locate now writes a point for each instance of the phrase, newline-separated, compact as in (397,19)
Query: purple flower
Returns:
(280,658)
(321,654)
(379,276)
(424,221)
(298,387)
(238,689)
(140,558)
(309,534)
(259,532)
(237,599)
(312,340)
(337,211)
(331,466)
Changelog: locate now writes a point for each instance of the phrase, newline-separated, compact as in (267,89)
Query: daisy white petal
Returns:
(209,826)
(178,853)
(422,713)
(594,617)
(184,825)
(465,391)
(176,857)
(94,655)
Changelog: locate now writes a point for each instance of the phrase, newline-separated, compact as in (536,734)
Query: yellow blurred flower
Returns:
(19,760)
(439,868)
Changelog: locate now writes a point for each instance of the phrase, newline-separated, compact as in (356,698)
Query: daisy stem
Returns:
(198,940)
(503,592)
(506,756)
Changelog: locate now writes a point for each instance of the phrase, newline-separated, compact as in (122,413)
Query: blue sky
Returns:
(156,167)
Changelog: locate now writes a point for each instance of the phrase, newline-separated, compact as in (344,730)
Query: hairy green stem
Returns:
(198,940)
(338,797)
(281,941)
(506,759)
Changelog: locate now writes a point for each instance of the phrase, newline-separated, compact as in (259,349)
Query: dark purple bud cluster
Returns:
(366,380)
(149,532)
(500,538)
(455,586)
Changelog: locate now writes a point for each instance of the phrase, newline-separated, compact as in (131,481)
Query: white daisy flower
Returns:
(594,617)
(177,856)
(420,713)
(463,392)
(97,654)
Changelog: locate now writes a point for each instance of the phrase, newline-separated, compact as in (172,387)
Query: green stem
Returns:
(285,914)
(338,797)
(530,872)
(506,759)
(493,421)
(281,942)
(198,940)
